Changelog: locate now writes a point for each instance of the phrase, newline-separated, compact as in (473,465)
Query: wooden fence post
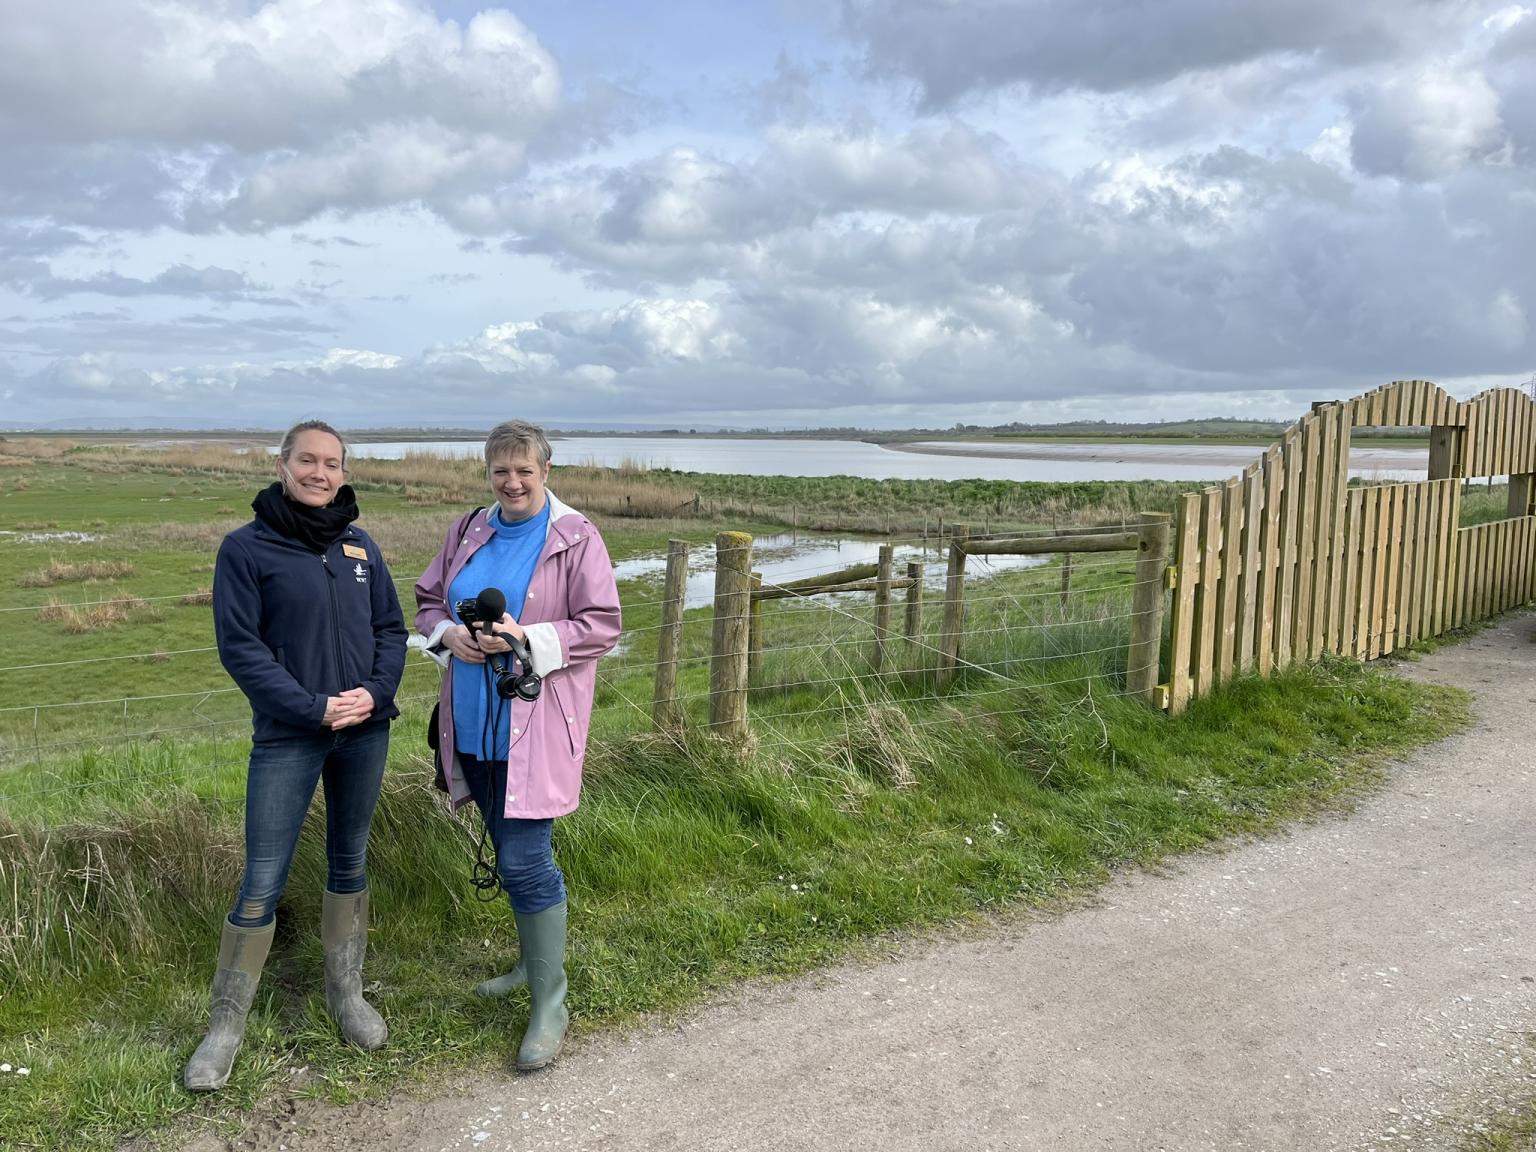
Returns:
(1066,580)
(954,609)
(666,709)
(755,631)
(728,656)
(883,605)
(1147,609)
(914,602)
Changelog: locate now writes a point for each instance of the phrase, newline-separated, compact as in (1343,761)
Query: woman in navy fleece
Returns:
(309,627)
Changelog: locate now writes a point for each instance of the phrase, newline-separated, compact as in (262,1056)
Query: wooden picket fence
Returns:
(1288,561)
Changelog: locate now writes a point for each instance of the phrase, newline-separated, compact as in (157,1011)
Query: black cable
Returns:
(485,875)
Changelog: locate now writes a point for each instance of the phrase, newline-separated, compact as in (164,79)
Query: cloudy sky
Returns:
(759,213)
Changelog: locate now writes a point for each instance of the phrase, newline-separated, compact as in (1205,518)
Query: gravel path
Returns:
(1360,982)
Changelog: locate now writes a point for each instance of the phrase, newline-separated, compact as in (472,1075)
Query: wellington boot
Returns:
(507,982)
(344,933)
(542,935)
(242,952)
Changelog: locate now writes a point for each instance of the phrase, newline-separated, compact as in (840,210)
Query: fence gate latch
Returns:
(1170,578)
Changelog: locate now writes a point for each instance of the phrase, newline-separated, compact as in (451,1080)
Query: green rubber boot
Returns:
(344,933)
(507,982)
(242,952)
(542,935)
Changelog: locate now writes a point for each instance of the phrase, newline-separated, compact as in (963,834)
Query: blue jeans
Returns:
(278,789)
(525,858)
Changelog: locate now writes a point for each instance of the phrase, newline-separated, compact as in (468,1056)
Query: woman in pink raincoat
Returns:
(520,759)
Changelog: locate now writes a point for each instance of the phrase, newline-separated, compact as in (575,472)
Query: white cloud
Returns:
(1428,125)
(220,113)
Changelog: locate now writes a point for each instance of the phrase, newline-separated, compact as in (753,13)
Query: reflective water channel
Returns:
(788,557)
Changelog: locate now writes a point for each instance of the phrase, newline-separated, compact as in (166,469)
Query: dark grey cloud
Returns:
(950,50)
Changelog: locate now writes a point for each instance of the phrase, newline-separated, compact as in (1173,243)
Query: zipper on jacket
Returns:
(330,586)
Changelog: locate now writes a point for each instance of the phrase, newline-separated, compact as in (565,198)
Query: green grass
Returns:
(1514,1132)
(1510,1126)
(690,868)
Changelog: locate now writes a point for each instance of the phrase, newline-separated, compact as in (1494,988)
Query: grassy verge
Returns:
(691,865)
(1512,1132)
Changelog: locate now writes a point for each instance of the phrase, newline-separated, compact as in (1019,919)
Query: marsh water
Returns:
(935,460)
(795,556)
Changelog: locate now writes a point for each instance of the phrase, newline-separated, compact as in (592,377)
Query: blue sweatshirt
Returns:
(294,627)
(481,719)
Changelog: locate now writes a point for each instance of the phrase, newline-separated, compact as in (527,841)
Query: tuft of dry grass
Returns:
(884,746)
(94,616)
(67,572)
(199,598)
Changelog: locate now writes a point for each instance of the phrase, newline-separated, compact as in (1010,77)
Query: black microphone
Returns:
(489,607)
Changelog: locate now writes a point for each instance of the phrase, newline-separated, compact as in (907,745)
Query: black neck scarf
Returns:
(315,528)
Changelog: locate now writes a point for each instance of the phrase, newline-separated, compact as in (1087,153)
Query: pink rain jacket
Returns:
(571,616)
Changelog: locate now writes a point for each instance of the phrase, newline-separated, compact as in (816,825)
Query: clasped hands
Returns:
(474,646)
(352,707)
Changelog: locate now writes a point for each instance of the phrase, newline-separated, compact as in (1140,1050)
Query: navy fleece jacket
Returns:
(294,627)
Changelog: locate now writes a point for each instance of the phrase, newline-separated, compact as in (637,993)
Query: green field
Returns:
(861,805)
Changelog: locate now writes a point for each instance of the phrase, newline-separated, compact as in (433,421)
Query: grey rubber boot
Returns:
(542,935)
(344,933)
(507,982)
(242,952)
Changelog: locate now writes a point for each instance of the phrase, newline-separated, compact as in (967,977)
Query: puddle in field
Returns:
(787,557)
(51,537)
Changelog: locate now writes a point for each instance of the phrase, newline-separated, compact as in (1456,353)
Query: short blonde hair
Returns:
(285,449)
(517,438)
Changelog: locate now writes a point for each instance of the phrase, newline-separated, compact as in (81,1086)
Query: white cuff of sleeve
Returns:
(432,646)
(544,647)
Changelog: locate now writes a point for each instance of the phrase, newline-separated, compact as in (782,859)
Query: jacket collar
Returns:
(566,527)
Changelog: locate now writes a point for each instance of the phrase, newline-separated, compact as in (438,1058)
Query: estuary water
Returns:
(788,557)
(939,460)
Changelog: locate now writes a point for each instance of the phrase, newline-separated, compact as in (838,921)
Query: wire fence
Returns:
(1026,626)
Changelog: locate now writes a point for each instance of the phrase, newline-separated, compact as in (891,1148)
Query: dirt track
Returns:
(1357,983)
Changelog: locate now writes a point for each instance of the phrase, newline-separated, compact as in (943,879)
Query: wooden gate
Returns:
(1290,561)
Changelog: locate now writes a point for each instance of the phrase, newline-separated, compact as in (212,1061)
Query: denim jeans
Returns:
(278,789)
(525,858)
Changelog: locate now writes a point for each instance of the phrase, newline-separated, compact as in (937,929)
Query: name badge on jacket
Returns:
(354,552)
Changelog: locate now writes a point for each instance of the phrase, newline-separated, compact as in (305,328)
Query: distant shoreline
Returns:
(1021,445)
(1148,450)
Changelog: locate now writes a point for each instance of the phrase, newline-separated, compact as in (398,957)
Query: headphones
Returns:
(525,685)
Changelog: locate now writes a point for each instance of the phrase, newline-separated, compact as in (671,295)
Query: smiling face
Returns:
(313,469)
(517,482)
